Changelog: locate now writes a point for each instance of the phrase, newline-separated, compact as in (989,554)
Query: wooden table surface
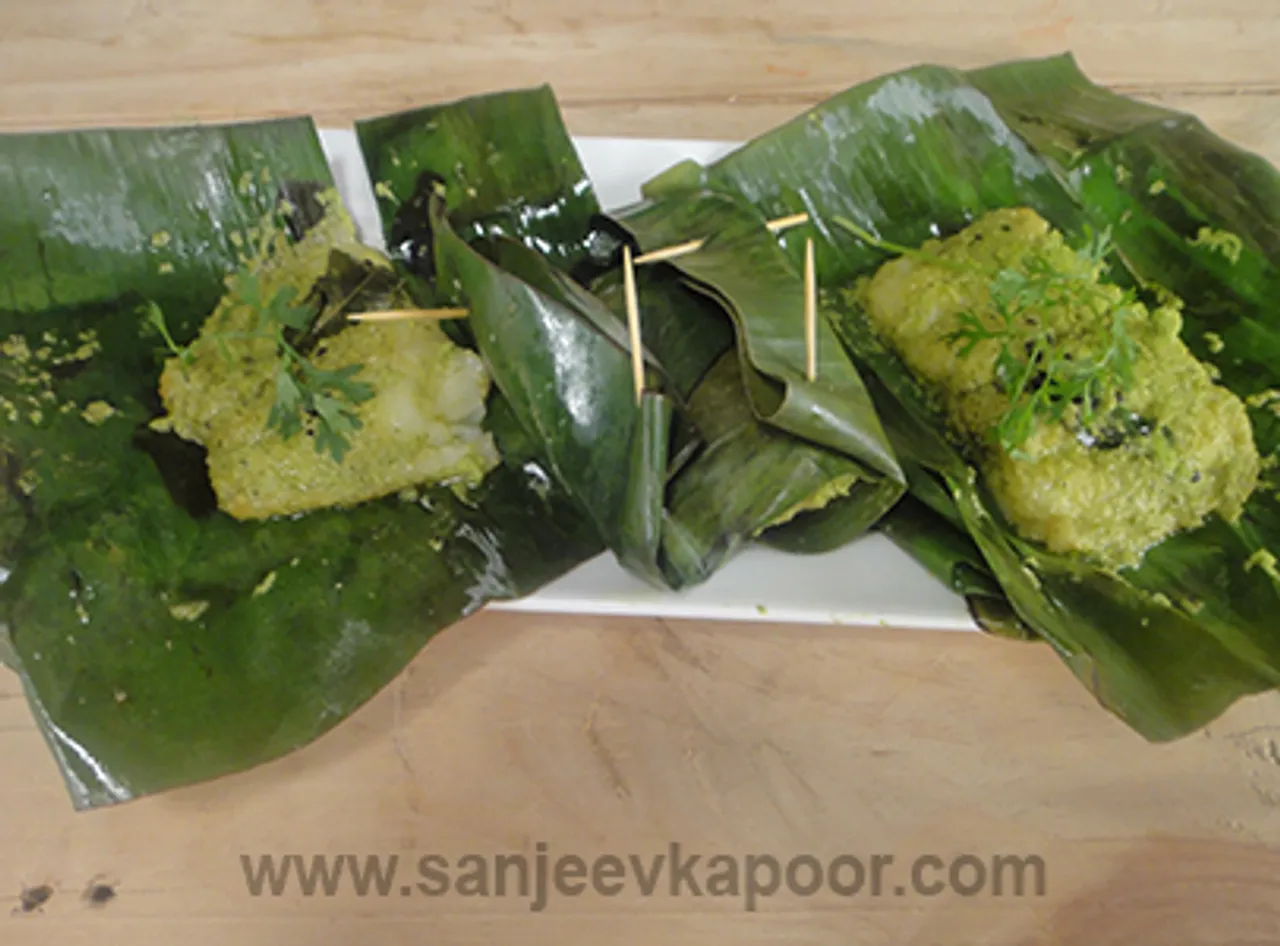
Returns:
(620,736)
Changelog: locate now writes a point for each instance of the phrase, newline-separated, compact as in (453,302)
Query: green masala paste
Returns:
(424,423)
(1157,455)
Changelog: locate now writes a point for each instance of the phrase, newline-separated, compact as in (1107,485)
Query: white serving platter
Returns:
(870,581)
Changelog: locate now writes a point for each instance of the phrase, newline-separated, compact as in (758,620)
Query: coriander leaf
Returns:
(1007,290)
(281,311)
(341,380)
(340,418)
(285,415)
(336,421)
(1047,383)
(971,332)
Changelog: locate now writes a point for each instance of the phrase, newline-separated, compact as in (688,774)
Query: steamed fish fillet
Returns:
(1184,452)
(423,425)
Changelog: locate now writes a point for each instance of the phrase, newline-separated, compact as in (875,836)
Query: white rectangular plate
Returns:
(870,581)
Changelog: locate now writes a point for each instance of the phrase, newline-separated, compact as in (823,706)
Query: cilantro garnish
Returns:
(303,391)
(1042,381)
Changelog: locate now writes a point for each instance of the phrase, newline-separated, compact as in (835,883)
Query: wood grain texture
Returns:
(714,68)
(619,736)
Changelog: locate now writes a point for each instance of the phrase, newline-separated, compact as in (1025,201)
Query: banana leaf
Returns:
(742,268)
(951,556)
(507,166)
(679,482)
(568,383)
(160,641)
(921,153)
(559,357)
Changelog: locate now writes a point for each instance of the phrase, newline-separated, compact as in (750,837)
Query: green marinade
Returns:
(1164,452)
(423,424)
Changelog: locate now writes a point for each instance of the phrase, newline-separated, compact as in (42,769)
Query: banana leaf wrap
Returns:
(727,445)
(105,527)
(923,152)
(743,270)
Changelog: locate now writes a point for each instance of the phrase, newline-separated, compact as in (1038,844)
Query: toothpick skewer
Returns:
(665,253)
(810,313)
(670,252)
(396,315)
(692,246)
(633,322)
(786,223)
(656,256)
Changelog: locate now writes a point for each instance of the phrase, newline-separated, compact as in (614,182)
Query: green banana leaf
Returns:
(568,383)
(922,152)
(508,168)
(952,557)
(106,529)
(678,483)
(557,354)
(743,269)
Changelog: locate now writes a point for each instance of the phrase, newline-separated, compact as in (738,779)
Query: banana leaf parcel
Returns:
(728,443)
(923,153)
(160,641)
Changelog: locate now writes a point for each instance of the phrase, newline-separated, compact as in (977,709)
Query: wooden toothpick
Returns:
(810,313)
(670,252)
(633,322)
(397,315)
(786,223)
(692,246)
